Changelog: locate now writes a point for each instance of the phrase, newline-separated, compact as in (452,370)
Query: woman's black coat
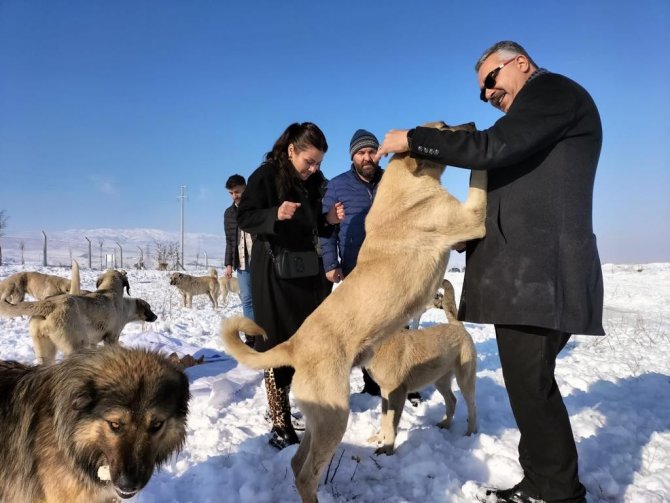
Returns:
(538,264)
(281,305)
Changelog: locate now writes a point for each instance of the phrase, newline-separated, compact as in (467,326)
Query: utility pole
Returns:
(44,251)
(182,197)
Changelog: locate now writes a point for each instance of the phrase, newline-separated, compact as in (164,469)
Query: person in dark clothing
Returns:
(536,276)
(281,206)
(238,245)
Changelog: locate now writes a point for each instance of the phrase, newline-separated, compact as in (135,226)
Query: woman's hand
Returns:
(287,210)
(335,214)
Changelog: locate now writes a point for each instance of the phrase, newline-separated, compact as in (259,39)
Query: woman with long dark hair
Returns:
(281,206)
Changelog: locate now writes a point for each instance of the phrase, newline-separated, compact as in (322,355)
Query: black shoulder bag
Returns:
(290,264)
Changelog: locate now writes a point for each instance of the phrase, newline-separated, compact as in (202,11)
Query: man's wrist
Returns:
(410,140)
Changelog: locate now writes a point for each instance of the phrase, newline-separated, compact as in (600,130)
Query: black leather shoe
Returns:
(520,493)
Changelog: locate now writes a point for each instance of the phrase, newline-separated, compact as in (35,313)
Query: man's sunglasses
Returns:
(490,80)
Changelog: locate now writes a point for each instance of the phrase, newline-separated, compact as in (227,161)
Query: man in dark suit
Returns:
(536,276)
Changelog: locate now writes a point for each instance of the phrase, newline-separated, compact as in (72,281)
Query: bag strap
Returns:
(310,214)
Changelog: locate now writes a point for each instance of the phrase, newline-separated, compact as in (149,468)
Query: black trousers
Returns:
(547,451)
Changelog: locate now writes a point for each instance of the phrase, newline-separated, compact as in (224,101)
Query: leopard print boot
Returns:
(283,433)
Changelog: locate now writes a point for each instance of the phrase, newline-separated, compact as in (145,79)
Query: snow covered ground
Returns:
(617,390)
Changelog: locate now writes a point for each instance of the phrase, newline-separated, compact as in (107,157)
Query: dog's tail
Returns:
(75,281)
(213,273)
(279,356)
(449,303)
(39,308)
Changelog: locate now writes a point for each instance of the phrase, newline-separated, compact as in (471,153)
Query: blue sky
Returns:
(107,108)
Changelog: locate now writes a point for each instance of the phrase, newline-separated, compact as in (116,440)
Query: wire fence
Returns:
(103,253)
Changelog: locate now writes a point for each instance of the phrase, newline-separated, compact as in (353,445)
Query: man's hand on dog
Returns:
(395,142)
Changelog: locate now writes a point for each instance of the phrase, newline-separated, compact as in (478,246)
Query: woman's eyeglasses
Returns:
(490,80)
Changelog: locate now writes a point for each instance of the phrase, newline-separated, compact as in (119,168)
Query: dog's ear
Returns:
(84,398)
(124,278)
(468,126)
(98,281)
(441,125)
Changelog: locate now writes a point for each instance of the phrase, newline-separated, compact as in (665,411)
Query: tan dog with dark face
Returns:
(410,360)
(412,225)
(72,322)
(197,285)
(90,429)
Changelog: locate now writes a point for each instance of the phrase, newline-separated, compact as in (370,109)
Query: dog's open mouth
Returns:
(125,494)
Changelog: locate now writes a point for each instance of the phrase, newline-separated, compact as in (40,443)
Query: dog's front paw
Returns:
(385,449)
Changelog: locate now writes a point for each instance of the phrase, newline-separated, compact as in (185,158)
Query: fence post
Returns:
(90,264)
(121,254)
(44,251)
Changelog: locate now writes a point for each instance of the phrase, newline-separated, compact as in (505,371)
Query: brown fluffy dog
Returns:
(91,428)
(411,212)
(196,285)
(38,285)
(71,322)
(410,360)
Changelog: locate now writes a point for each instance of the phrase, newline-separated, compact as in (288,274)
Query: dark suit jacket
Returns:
(538,264)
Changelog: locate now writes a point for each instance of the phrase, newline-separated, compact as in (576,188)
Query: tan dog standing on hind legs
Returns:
(411,211)
(410,360)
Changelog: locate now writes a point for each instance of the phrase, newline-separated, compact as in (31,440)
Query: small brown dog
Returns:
(410,360)
(197,285)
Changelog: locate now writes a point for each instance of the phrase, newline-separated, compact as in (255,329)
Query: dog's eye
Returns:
(155,426)
(115,426)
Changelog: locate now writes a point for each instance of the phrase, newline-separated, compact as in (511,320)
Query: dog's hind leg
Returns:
(45,349)
(466,377)
(392,407)
(213,298)
(326,431)
(298,459)
(443,385)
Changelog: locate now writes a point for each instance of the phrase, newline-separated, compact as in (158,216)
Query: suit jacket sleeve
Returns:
(532,124)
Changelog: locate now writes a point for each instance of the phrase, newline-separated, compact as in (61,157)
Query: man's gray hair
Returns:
(506,50)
